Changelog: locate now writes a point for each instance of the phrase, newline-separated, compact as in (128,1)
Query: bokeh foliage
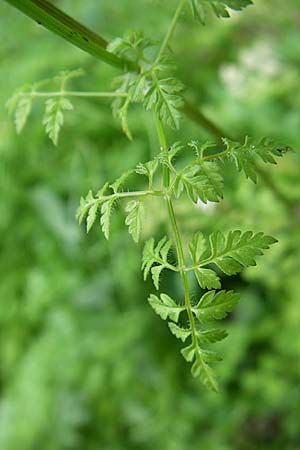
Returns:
(84,362)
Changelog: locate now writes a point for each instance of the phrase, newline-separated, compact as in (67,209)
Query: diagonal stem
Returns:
(171,29)
(55,20)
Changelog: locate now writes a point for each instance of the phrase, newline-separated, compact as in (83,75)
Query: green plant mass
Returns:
(154,85)
(150,213)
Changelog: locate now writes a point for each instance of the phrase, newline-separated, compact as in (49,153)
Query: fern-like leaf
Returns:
(246,155)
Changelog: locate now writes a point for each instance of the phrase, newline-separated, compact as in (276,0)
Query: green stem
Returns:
(170,32)
(73,94)
(163,147)
(178,242)
(215,155)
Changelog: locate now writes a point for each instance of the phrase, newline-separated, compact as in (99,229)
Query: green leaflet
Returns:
(180,333)
(211,336)
(219,7)
(54,116)
(237,250)
(207,278)
(200,181)
(135,210)
(197,247)
(165,307)
(91,217)
(22,111)
(106,210)
(149,169)
(215,305)
(156,255)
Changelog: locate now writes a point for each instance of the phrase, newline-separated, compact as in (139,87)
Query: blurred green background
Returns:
(85,363)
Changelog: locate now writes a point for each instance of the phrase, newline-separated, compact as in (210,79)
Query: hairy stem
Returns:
(177,238)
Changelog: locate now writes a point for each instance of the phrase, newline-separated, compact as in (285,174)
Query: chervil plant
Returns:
(148,79)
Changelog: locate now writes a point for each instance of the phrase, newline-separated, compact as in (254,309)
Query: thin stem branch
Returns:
(215,155)
(163,146)
(73,94)
(125,195)
(171,29)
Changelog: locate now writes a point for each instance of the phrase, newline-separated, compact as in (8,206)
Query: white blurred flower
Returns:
(254,69)
(207,208)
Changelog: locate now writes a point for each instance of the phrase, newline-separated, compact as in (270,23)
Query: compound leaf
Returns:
(245,155)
